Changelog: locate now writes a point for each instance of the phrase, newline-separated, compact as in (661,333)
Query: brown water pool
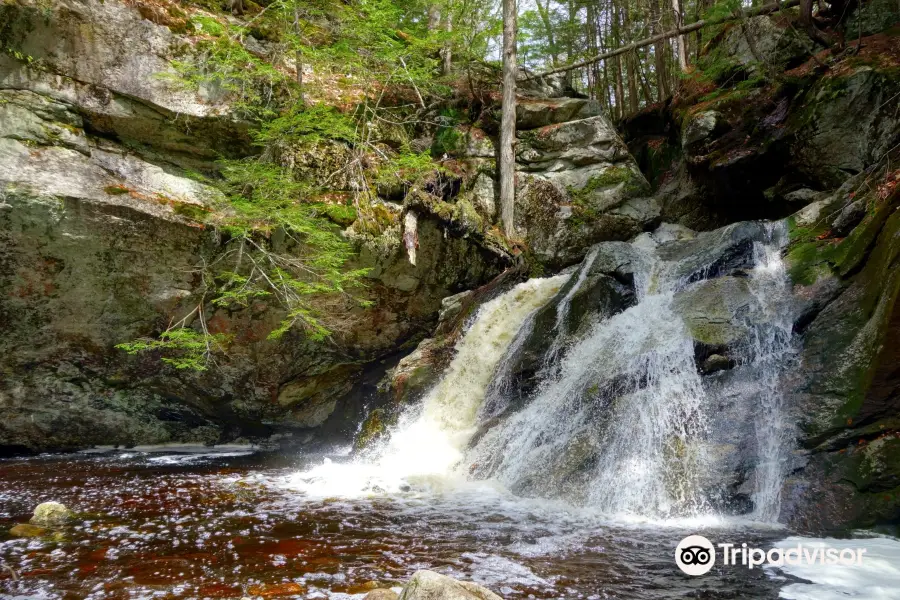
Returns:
(225,525)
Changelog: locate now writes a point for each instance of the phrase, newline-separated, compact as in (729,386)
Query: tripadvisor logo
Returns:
(696,555)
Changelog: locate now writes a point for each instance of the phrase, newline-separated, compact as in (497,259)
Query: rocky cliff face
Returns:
(104,228)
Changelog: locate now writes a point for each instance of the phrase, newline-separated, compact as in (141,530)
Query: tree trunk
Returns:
(608,90)
(679,23)
(508,121)
(570,44)
(594,76)
(298,54)
(447,52)
(544,12)
(434,17)
(644,79)
(659,52)
(617,66)
(806,19)
(633,100)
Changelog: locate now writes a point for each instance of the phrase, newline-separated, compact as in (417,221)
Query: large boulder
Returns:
(872,17)
(532,113)
(846,122)
(428,585)
(757,146)
(51,514)
(845,399)
(578,185)
(120,76)
(762,44)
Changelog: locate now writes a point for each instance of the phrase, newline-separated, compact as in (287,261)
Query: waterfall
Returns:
(771,350)
(622,424)
(624,421)
(429,439)
(562,309)
(628,396)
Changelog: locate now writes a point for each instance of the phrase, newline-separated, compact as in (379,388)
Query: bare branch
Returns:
(744,14)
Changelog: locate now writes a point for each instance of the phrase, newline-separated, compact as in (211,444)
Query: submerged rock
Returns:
(716,362)
(428,585)
(24,530)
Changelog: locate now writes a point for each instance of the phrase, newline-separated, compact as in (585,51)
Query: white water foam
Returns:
(876,578)
(562,309)
(427,444)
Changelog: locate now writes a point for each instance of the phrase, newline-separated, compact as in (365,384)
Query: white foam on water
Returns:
(876,578)
(771,348)
(184,459)
(175,448)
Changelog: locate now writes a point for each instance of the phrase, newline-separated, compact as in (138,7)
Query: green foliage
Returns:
(721,69)
(407,168)
(256,86)
(283,243)
(207,25)
(281,249)
(448,139)
(722,9)
(265,197)
(309,124)
(184,348)
(116,190)
(337,213)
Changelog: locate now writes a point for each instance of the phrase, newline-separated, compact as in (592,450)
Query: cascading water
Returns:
(621,422)
(627,396)
(562,309)
(622,425)
(771,350)
(430,438)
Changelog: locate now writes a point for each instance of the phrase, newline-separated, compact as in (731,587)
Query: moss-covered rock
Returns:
(845,396)
(51,514)
(24,530)
(759,45)
(122,81)
(717,312)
